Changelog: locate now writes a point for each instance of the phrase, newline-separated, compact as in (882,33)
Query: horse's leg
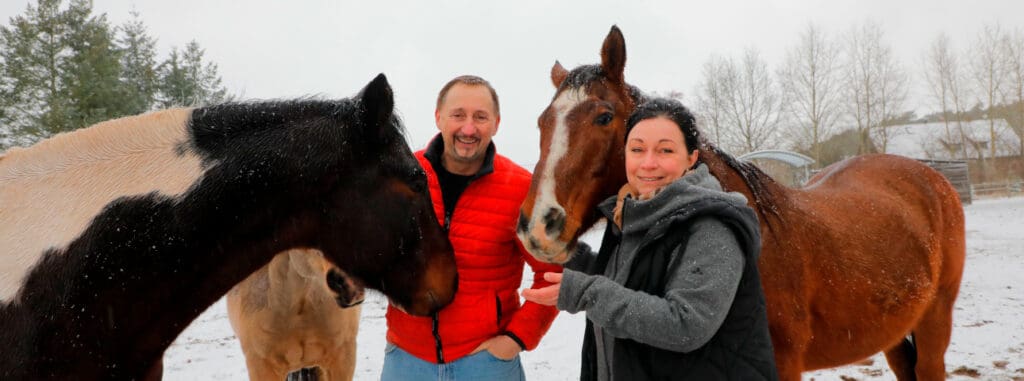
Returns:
(342,365)
(901,358)
(790,338)
(932,333)
(788,362)
(932,336)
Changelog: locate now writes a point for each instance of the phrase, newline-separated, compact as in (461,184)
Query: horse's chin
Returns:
(561,258)
(424,309)
(544,249)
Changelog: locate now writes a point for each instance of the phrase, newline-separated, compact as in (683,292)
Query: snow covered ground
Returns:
(987,343)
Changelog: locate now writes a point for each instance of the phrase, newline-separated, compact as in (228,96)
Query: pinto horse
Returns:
(869,252)
(114,237)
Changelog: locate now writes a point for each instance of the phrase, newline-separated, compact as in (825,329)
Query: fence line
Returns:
(1002,189)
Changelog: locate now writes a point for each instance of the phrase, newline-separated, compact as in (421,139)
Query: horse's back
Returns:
(888,193)
(882,179)
(51,191)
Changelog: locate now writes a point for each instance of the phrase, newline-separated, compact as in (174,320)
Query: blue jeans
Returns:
(399,365)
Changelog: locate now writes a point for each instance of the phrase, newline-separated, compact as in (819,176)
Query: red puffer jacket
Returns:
(490,261)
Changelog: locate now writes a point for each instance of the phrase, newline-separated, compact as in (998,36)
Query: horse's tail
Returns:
(902,358)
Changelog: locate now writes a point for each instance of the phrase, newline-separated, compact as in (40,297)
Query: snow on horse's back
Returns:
(51,191)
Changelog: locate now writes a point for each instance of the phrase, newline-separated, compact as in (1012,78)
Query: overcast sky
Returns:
(280,49)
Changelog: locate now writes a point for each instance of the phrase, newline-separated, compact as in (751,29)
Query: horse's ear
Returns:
(558,74)
(377,103)
(613,55)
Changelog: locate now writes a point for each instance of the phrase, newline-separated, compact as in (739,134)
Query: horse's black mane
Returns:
(210,125)
(754,177)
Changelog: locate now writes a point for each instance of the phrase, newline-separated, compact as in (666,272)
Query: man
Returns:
(476,195)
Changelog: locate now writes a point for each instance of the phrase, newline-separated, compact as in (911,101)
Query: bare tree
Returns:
(742,102)
(810,84)
(938,66)
(1014,45)
(892,95)
(875,83)
(710,95)
(988,68)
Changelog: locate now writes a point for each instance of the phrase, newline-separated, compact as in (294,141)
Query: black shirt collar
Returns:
(435,150)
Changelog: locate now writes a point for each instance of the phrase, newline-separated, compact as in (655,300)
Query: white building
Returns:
(931,141)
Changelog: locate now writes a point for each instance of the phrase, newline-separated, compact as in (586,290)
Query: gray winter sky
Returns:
(281,49)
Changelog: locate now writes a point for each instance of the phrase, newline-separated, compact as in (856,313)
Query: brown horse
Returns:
(286,318)
(116,236)
(869,252)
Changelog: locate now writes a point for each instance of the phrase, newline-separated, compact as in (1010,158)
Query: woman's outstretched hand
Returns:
(547,296)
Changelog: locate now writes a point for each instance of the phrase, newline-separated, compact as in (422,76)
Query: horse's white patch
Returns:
(546,198)
(50,192)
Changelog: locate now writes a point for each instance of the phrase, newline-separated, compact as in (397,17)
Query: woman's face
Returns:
(656,154)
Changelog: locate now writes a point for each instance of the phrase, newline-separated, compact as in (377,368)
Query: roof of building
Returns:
(933,141)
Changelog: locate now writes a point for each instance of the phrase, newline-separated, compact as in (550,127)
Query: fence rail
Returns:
(1003,189)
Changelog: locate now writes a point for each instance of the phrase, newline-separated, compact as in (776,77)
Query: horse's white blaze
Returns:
(546,198)
(50,192)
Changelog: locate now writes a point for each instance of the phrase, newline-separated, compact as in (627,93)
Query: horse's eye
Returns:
(603,119)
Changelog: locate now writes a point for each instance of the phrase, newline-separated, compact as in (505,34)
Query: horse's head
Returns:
(378,223)
(581,152)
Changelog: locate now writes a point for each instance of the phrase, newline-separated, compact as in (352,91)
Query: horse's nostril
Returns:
(554,221)
(523,224)
(534,244)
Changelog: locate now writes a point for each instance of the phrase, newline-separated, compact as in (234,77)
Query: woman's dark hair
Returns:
(672,110)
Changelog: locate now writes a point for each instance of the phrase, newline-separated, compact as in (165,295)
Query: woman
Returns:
(674,292)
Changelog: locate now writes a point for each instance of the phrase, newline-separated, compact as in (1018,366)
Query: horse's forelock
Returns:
(586,75)
(582,77)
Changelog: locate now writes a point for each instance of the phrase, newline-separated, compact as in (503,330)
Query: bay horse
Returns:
(286,316)
(116,236)
(869,252)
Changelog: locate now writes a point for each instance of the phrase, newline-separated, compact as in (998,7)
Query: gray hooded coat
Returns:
(705,244)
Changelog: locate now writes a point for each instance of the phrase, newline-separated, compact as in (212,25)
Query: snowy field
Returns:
(987,343)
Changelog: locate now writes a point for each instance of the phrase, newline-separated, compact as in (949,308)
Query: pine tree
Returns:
(185,80)
(92,73)
(138,65)
(33,49)
(61,70)
(6,102)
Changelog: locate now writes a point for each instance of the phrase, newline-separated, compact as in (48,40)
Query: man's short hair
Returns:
(469,80)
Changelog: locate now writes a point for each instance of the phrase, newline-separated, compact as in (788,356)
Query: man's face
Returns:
(467,121)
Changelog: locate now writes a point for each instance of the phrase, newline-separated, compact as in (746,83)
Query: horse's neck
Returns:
(109,141)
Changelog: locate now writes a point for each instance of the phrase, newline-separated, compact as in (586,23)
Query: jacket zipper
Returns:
(437,340)
(438,347)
